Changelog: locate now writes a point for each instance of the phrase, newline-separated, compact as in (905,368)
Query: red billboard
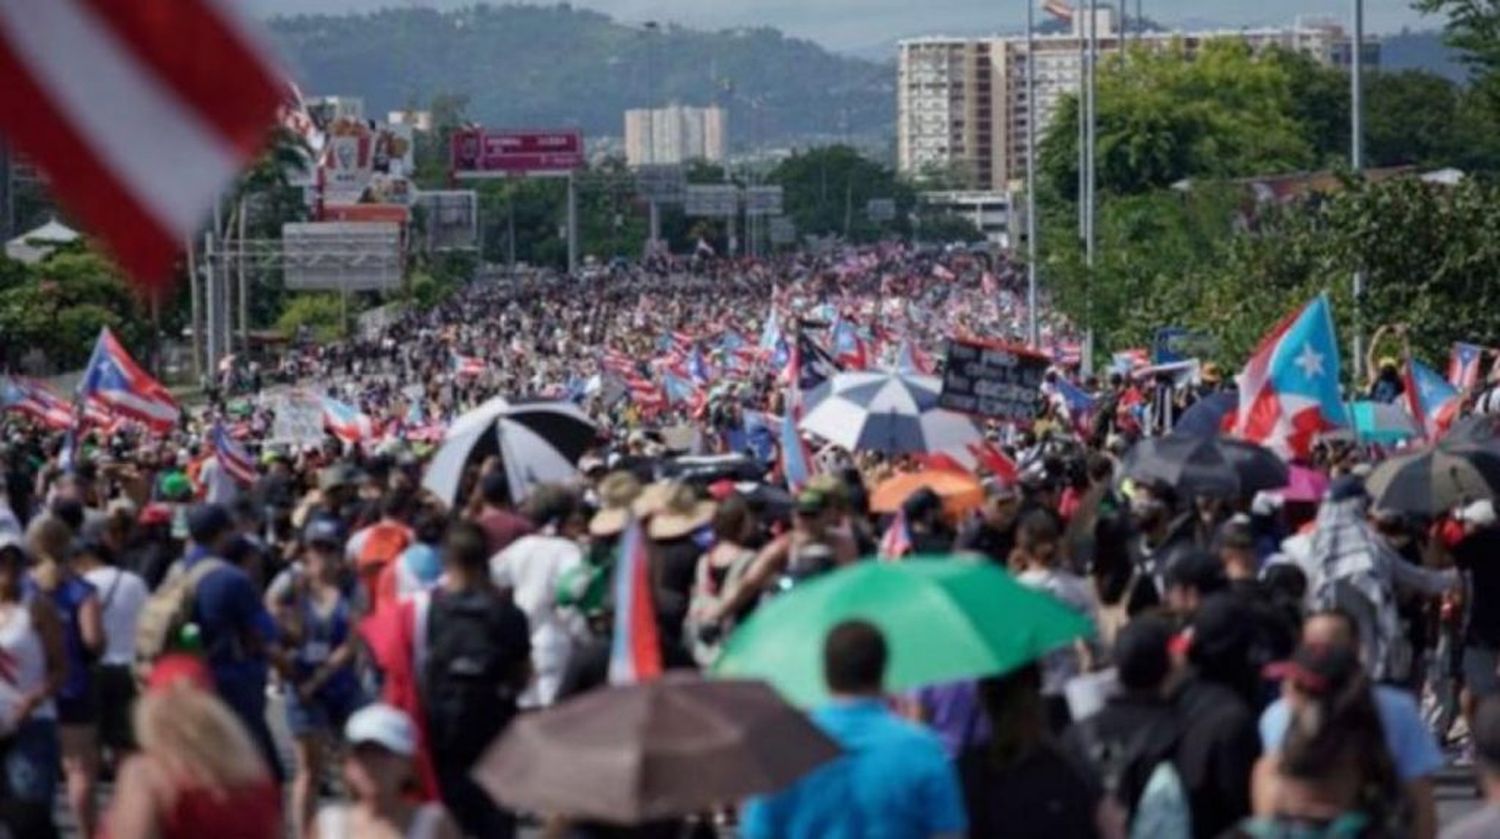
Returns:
(480,152)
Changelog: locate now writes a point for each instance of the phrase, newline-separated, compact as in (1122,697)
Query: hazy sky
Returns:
(862,24)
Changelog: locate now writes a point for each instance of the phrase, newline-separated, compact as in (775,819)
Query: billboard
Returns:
(763,200)
(660,182)
(341,255)
(719,201)
(481,152)
(363,161)
(781,231)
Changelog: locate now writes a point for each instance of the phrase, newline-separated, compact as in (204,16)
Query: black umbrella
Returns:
(1205,417)
(1436,479)
(1214,466)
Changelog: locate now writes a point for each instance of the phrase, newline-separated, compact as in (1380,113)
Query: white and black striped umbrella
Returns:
(886,412)
(1435,479)
(538,442)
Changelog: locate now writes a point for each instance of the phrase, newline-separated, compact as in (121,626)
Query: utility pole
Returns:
(244,302)
(1357,164)
(572,224)
(1032,338)
(654,221)
(1090,185)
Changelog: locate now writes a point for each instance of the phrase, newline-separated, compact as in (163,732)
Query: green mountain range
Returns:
(534,66)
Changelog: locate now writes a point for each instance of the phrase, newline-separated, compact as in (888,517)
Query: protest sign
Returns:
(299,420)
(991,380)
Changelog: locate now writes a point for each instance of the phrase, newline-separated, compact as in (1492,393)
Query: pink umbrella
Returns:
(1305,484)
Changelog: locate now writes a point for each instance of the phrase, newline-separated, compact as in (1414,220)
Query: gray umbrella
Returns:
(1435,479)
(1213,466)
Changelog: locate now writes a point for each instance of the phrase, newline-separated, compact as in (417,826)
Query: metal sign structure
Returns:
(763,200)
(711,200)
(781,231)
(664,183)
(341,256)
(450,218)
(881,209)
(493,153)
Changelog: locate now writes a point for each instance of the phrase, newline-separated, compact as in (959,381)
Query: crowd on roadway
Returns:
(223,651)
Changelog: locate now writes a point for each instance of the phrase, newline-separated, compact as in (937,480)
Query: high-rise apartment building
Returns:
(676,134)
(961,102)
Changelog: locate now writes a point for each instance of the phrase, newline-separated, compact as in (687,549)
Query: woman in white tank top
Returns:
(31,670)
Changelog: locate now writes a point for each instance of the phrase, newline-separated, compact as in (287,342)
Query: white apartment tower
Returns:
(961,102)
(676,134)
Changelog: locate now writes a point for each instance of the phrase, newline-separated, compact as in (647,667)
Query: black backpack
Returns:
(477,645)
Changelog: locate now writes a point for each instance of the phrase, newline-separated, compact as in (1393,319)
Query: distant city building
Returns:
(676,134)
(961,102)
(991,213)
(418,120)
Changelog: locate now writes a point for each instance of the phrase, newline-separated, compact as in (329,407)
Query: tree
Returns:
(1473,28)
(60,305)
(825,191)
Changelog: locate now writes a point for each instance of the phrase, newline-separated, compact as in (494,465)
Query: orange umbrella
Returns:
(960,493)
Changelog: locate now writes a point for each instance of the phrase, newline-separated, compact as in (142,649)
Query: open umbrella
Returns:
(671,747)
(943,619)
(1214,466)
(538,442)
(1478,430)
(960,492)
(1435,479)
(1380,422)
(1205,417)
(886,412)
(1304,484)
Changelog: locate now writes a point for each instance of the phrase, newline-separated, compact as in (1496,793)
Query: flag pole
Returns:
(1356,164)
(1031,330)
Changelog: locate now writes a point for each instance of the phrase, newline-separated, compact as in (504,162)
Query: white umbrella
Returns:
(887,412)
(538,443)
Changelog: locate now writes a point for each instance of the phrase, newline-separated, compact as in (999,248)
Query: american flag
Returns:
(139,113)
(232,456)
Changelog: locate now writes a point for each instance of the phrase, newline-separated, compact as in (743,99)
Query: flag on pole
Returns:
(1431,399)
(635,650)
(796,460)
(346,422)
(1289,390)
(36,400)
(113,383)
(139,113)
(1058,9)
(896,542)
(466,366)
(848,349)
(1463,366)
(232,456)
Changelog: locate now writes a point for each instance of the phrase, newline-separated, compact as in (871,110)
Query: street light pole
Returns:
(1357,163)
(1032,338)
(1090,184)
(654,221)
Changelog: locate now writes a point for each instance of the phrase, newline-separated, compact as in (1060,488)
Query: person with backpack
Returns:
(476,663)
(1129,744)
(209,604)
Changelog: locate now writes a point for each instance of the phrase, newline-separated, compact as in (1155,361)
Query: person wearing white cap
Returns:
(379,768)
(1474,554)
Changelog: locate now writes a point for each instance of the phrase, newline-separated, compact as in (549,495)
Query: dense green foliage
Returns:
(57,307)
(559,65)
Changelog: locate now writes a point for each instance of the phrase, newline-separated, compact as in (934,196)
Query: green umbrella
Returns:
(943,619)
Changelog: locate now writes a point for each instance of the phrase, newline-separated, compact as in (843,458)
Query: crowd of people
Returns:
(162,622)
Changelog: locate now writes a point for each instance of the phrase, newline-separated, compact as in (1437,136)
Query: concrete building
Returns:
(995,214)
(676,134)
(961,102)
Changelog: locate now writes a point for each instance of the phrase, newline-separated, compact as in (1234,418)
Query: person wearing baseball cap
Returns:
(379,768)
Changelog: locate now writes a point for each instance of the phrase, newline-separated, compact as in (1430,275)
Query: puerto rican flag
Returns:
(139,113)
(114,384)
(848,348)
(796,461)
(1289,390)
(1129,361)
(635,650)
(896,542)
(1073,401)
(1431,399)
(467,366)
(1463,366)
(911,360)
(346,422)
(36,400)
(232,456)
(1058,9)
(617,362)
(942,272)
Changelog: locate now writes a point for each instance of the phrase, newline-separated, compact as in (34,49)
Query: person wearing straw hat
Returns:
(678,532)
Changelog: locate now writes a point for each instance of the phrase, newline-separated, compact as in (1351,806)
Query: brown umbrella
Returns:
(672,747)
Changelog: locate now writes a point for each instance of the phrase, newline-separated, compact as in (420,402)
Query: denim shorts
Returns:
(31,761)
(322,713)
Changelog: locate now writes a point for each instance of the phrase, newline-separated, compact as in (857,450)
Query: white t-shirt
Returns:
(531,566)
(219,486)
(122,596)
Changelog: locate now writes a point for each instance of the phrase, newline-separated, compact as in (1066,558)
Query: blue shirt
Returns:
(1412,747)
(231,618)
(893,782)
